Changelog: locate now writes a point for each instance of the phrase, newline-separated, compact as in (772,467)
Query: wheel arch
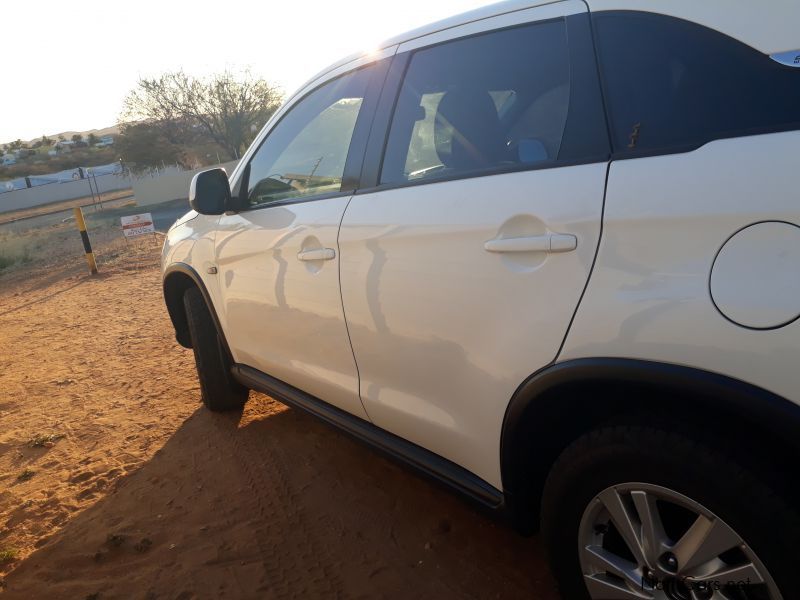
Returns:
(561,402)
(178,278)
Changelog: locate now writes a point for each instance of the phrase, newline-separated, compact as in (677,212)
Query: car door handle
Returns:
(317,254)
(554,242)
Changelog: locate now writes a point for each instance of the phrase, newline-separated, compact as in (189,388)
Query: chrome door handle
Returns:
(317,254)
(555,242)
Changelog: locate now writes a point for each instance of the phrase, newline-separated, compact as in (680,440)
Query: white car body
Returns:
(428,318)
(649,294)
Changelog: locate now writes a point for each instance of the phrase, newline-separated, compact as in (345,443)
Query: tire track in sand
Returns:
(297,560)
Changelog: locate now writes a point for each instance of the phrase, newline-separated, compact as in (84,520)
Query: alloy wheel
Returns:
(647,542)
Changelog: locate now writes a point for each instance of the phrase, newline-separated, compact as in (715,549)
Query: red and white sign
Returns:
(137,225)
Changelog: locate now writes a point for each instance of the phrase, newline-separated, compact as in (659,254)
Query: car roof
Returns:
(484,12)
(768,26)
(769,30)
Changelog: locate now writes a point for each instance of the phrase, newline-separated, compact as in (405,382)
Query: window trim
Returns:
(355,151)
(390,95)
(379,136)
(489,172)
(291,201)
(691,147)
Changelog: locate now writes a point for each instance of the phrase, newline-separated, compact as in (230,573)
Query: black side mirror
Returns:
(210,192)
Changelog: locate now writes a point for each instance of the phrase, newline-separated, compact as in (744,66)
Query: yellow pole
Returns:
(87,246)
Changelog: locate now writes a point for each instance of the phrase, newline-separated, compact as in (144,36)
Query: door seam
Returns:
(591,268)
(344,314)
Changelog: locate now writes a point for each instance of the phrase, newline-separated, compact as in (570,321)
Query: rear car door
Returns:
(277,256)
(465,253)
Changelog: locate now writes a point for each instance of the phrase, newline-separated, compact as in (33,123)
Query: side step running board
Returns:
(415,456)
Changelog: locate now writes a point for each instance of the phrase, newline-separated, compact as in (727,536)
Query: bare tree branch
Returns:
(228,107)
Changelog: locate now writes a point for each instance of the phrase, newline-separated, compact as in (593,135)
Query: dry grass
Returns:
(53,246)
(15,249)
(44,440)
(26,474)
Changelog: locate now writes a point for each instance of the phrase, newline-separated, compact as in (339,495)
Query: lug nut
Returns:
(703,590)
(669,561)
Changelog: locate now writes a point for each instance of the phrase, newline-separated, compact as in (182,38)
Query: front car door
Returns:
(463,265)
(277,256)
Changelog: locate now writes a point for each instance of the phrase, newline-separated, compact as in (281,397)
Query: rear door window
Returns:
(495,101)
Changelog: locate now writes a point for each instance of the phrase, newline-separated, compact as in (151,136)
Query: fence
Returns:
(160,185)
(168,185)
(59,192)
(66,176)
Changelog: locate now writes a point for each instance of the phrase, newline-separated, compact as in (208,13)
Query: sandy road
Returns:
(147,495)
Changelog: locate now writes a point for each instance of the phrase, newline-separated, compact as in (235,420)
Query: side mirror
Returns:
(210,192)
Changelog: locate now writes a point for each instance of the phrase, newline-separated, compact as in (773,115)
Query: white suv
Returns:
(548,253)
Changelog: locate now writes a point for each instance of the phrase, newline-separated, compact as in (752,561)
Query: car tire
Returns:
(218,389)
(617,474)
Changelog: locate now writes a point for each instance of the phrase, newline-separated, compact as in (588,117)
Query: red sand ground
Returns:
(148,495)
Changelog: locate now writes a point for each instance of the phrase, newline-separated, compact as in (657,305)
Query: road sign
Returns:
(137,225)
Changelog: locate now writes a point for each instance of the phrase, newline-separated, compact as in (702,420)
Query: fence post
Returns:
(87,246)
(99,197)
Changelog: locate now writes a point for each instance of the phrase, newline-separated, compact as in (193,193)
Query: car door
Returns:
(463,264)
(277,256)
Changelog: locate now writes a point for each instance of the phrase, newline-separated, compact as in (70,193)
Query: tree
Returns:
(77,137)
(227,107)
(46,141)
(92,139)
(145,145)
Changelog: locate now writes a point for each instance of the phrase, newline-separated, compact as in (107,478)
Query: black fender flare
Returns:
(553,404)
(177,278)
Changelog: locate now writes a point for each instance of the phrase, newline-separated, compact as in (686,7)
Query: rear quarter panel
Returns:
(665,219)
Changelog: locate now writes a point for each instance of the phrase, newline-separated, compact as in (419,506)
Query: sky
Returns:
(67,66)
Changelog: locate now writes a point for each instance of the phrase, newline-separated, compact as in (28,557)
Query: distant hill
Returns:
(113,130)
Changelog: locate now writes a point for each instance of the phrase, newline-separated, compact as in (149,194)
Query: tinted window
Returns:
(305,153)
(672,84)
(497,100)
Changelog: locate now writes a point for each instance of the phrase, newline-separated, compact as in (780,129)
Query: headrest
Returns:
(467,131)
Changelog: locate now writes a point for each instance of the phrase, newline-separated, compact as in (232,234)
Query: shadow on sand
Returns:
(278,506)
